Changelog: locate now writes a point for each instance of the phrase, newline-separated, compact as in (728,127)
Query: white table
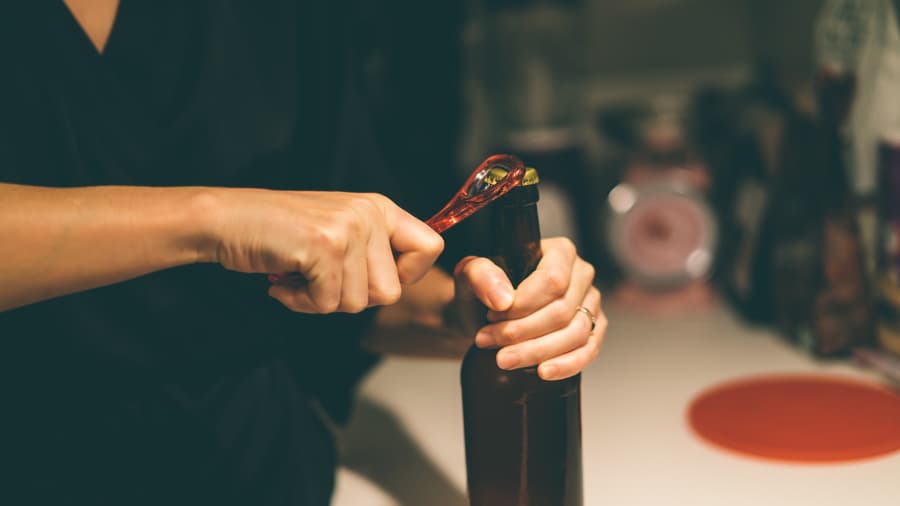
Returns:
(638,448)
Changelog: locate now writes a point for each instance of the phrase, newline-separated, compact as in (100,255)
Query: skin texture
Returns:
(353,251)
(96,18)
(537,324)
(59,241)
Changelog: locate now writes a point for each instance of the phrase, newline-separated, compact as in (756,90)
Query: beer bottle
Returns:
(522,434)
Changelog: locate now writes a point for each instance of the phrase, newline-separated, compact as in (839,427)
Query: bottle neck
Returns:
(517,233)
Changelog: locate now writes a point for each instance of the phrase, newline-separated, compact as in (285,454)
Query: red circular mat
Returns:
(800,418)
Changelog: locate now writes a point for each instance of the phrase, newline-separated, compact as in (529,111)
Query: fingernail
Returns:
(508,360)
(483,339)
(549,371)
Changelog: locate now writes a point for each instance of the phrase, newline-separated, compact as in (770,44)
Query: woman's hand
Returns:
(353,250)
(540,322)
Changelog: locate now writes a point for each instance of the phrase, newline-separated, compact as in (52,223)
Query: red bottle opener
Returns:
(494,177)
(484,186)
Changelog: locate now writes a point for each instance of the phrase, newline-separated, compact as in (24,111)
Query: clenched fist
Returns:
(353,250)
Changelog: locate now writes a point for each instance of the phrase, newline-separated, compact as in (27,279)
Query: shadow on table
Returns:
(377,446)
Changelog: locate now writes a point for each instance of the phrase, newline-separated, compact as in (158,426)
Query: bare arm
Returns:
(354,250)
(60,241)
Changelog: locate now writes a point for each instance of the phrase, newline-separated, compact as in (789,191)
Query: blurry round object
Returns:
(799,418)
(662,234)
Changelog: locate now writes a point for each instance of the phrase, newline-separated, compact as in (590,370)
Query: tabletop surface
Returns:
(405,444)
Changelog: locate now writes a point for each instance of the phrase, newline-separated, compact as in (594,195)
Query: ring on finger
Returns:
(587,312)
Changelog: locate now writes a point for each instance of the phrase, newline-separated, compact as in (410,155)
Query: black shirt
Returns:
(189,385)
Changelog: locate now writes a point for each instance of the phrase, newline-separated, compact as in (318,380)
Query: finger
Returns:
(417,245)
(384,282)
(325,278)
(535,351)
(355,277)
(294,297)
(549,281)
(554,316)
(487,281)
(575,361)
(462,287)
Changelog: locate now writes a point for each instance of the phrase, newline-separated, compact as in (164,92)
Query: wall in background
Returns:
(668,35)
(655,36)
(642,49)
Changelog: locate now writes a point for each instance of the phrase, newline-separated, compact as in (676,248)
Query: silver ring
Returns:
(589,314)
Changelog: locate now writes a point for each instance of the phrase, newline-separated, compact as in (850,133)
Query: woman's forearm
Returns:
(354,249)
(56,241)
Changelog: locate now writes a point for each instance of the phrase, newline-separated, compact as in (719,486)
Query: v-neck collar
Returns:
(129,129)
(85,39)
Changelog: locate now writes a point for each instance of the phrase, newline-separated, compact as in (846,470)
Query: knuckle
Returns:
(356,306)
(392,297)
(290,303)
(296,308)
(329,308)
(292,306)
(434,245)
(378,205)
(567,246)
(354,219)
(590,271)
(366,206)
(556,282)
(507,334)
(327,305)
(570,247)
(593,349)
(330,240)
(386,295)
(378,198)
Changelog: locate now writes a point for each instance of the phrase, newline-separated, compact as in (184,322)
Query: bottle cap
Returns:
(497,173)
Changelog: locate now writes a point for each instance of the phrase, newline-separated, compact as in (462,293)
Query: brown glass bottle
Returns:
(523,434)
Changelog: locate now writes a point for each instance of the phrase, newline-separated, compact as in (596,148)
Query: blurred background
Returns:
(698,151)
(732,168)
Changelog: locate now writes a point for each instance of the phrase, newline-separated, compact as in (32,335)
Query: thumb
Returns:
(486,281)
(416,244)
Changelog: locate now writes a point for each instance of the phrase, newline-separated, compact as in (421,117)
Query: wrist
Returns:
(202,223)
